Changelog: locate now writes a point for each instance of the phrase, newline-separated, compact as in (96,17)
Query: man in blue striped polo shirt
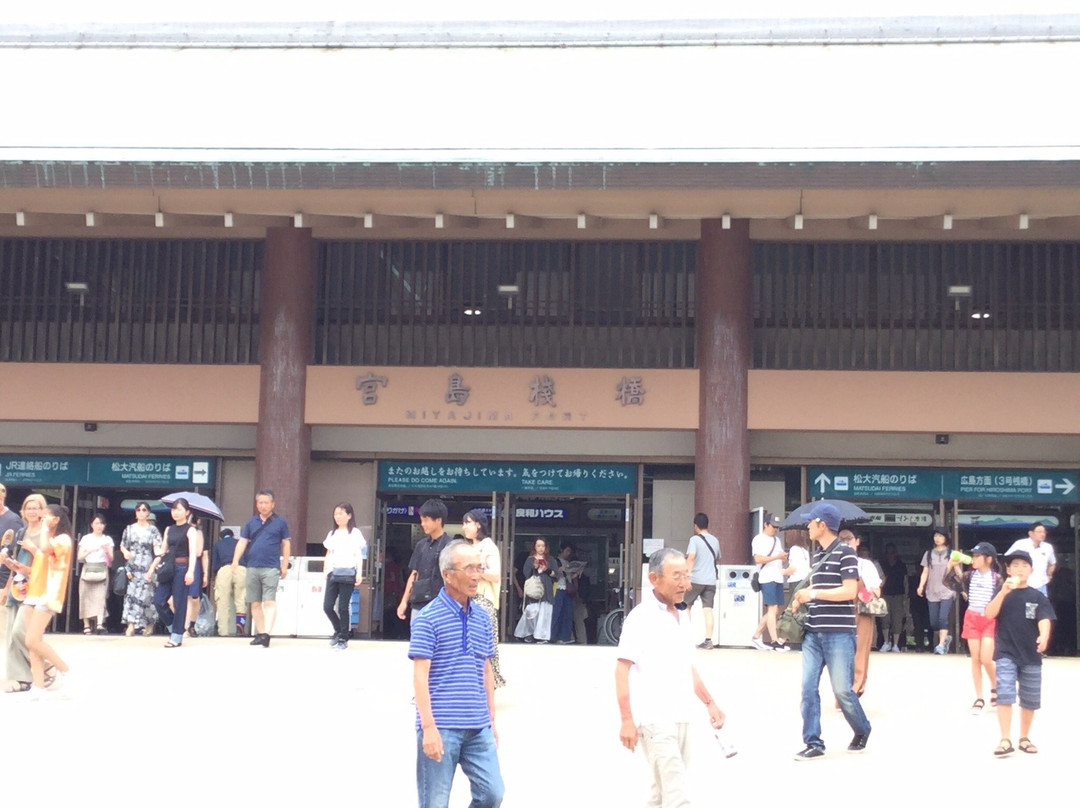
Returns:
(451,648)
(830,632)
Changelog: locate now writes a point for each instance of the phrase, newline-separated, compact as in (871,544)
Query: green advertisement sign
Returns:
(517,478)
(1017,485)
(113,472)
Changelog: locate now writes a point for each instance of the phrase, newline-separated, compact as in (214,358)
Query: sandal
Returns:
(1004,748)
(171,644)
(993,698)
(88,630)
(1027,746)
(977,707)
(18,687)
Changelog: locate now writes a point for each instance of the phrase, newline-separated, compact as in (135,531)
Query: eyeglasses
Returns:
(680,576)
(472,569)
(142,510)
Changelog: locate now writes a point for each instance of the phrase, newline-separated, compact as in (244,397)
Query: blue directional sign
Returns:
(1051,486)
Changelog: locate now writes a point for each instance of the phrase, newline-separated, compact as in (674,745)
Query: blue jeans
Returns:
(562,617)
(475,750)
(939,614)
(834,650)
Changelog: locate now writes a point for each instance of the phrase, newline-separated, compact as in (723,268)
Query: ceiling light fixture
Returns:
(473,311)
(77,287)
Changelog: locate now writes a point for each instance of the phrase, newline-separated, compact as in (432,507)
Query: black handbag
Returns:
(166,570)
(343,575)
(120,581)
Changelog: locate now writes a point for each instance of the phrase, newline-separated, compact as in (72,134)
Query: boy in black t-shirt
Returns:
(1023,617)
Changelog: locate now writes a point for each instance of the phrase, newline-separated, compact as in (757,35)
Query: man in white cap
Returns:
(830,632)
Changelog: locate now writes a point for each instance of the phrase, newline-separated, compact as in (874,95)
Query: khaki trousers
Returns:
(16,657)
(230,598)
(667,749)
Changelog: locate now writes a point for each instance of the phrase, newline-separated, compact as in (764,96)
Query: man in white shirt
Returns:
(702,556)
(769,554)
(656,681)
(1043,560)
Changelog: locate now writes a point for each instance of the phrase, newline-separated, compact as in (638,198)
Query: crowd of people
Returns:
(452,592)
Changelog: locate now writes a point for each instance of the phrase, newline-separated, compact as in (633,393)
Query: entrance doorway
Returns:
(588,505)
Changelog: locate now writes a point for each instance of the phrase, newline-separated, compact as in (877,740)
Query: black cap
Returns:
(983,548)
(1019,555)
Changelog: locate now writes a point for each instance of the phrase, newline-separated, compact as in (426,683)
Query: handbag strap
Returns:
(708,547)
(810,574)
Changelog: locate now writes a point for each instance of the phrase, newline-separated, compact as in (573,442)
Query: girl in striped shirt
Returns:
(978,586)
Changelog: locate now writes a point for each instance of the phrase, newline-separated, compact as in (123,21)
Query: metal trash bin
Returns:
(738,608)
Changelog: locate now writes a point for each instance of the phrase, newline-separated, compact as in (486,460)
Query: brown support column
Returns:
(722,453)
(282,438)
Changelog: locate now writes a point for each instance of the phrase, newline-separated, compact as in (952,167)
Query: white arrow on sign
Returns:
(822,480)
(1066,487)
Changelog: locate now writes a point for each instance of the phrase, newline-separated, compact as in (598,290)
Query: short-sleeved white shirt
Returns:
(868,571)
(95,545)
(661,646)
(1041,559)
(766,545)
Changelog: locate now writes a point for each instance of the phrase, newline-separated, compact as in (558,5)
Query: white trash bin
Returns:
(738,608)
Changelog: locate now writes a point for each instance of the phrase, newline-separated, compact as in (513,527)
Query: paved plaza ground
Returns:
(220,722)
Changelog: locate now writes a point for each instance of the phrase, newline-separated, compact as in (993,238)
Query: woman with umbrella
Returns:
(177,570)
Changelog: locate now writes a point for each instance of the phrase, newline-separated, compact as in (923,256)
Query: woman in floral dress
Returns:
(137,545)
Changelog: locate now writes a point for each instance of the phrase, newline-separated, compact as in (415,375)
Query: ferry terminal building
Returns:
(593,281)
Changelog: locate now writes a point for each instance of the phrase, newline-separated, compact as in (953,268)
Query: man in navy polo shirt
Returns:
(830,632)
(267,562)
(451,648)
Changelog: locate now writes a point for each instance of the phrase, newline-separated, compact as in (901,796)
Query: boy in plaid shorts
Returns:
(1023,616)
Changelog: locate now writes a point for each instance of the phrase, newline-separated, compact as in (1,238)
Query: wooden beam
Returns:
(453,221)
(383,221)
(515,221)
(587,222)
(942,222)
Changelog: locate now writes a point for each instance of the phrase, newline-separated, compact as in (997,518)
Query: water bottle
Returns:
(963,558)
(728,750)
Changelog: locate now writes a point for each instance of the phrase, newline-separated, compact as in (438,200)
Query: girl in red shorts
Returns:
(978,586)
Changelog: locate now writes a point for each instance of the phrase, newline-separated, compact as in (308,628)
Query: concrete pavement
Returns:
(218,720)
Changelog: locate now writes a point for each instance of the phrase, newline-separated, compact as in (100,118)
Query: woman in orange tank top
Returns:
(45,596)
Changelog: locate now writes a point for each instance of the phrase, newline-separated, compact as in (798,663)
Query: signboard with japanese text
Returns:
(1018,485)
(119,472)
(167,472)
(1002,485)
(516,478)
(486,397)
(874,483)
(42,470)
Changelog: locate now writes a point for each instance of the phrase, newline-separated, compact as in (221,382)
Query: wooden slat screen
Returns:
(579,304)
(149,301)
(885,306)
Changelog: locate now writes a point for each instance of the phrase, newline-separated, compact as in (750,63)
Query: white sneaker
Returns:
(945,646)
(897,649)
(759,644)
(886,646)
(779,646)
